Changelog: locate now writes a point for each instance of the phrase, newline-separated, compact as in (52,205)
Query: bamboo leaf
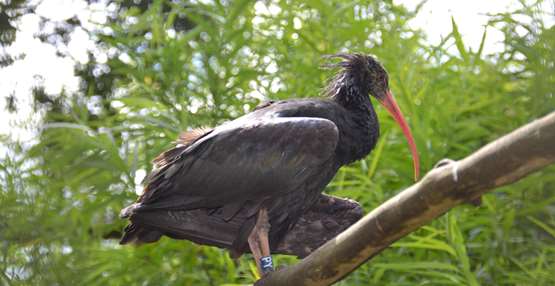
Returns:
(458,40)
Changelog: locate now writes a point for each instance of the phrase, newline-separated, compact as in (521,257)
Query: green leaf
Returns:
(458,40)
(542,225)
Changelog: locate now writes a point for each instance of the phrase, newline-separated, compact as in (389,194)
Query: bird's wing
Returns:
(244,160)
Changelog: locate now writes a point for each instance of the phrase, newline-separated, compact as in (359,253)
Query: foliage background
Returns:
(177,65)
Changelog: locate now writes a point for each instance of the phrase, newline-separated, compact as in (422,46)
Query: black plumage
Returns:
(279,157)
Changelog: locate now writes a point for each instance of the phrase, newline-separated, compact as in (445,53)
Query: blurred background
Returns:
(92,91)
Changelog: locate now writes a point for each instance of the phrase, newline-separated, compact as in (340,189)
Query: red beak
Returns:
(389,103)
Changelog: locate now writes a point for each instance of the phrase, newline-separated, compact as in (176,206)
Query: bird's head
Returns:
(363,75)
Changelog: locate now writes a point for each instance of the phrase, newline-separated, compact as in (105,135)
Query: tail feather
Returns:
(328,217)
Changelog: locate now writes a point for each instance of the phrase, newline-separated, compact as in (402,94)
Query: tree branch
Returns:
(504,161)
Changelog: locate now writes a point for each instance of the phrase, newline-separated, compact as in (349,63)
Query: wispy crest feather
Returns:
(350,64)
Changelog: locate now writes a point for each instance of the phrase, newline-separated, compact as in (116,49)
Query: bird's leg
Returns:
(259,243)
(446,161)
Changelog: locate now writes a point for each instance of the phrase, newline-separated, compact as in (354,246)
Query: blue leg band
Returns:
(266,264)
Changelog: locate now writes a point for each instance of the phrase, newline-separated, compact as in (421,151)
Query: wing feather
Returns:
(244,160)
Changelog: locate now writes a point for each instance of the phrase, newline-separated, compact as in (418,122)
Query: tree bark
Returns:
(504,161)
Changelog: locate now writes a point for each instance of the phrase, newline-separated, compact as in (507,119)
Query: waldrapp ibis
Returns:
(249,180)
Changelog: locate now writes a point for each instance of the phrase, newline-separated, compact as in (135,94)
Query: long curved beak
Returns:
(389,103)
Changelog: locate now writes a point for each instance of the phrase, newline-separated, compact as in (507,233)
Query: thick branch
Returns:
(499,163)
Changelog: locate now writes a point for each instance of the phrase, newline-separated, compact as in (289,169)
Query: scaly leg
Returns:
(259,243)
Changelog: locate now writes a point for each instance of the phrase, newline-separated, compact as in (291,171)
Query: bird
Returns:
(244,184)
